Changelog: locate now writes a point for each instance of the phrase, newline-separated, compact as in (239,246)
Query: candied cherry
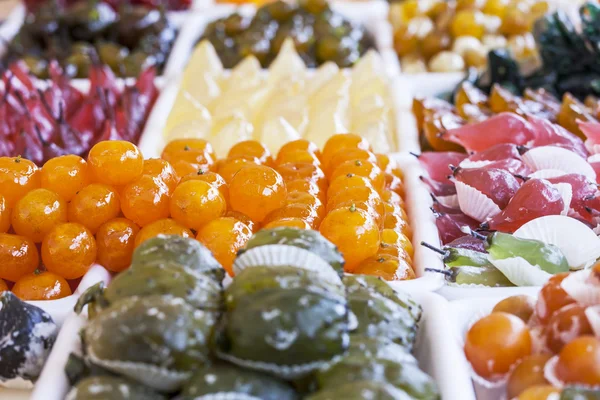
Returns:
(354,232)
(293,171)
(520,306)
(540,392)
(18,256)
(211,177)
(69,250)
(189,155)
(578,362)
(257,191)
(298,210)
(229,168)
(195,203)
(349,155)
(65,175)
(115,162)
(3,286)
(18,176)
(4,215)
(165,226)
(529,372)
(386,266)
(392,241)
(364,168)
(94,205)
(308,199)
(115,240)
(145,200)
(36,213)
(565,325)
(41,286)
(251,150)
(288,223)
(342,142)
(224,237)
(163,170)
(552,297)
(290,149)
(495,343)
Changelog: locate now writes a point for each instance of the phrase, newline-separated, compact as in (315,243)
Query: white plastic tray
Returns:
(435,356)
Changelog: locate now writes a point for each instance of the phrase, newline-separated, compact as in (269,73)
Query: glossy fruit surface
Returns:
(251,150)
(36,213)
(529,372)
(94,205)
(552,297)
(165,226)
(211,177)
(115,162)
(195,203)
(367,169)
(18,256)
(520,305)
(115,240)
(145,200)
(340,143)
(69,250)
(228,168)
(257,191)
(386,266)
(189,155)
(566,324)
(288,223)
(65,175)
(540,392)
(162,169)
(41,286)
(18,176)
(578,362)
(224,237)
(4,215)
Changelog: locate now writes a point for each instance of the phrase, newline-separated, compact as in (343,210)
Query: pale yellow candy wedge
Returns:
(334,89)
(322,75)
(363,93)
(204,60)
(375,127)
(275,133)
(229,130)
(246,74)
(247,102)
(188,125)
(287,64)
(329,118)
(204,88)
(287,101)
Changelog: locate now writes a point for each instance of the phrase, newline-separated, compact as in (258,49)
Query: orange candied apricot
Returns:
(342,142)
(392,198)
(257,191)
(308,199)
(540,392)
(145,200)
(297,210)
(521,306)
(165,226)
(41,286)
(65,175)
(293,171)
(3,286)
(351,155)
(36,213)
(18,176)
(566,324)
(224,237)
(175,147)
(288,223)
(211,177)
(354,232)
(115,240)
(94,205)
(18,256)
(529,372)
(195,203)
(578,362)
(163,170)
(386,266)
(4,215)
(251,150)
(189,155)
(69,250)
(292,147)
(254,227)
(302,185)
(364,168)
(115,162)
(228,168)
(393,238)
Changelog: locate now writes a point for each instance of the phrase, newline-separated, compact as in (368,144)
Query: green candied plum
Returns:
(113,388)
(37,66)
(284,327)
(164,278)
(235,24)
(78,65)
(86,20)
(380,348)
(136,62)
(157,330)
(309,240)
(280,11)
(328,48)
(255,279)
(575,393)
(314,6)
(136,21)
(353,368)
(220,378)
(361,390)
(484,275)
(185,251)
(112,54)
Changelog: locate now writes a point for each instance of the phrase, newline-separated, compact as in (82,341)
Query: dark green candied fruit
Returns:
(227,378)
(113,388)
(379,347)
(85,20)
(361,390)
(575,393)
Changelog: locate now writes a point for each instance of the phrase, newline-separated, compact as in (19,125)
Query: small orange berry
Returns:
(18,176)
(251,150)
(297,156)
(116,241)
(392,241)
(224,237)
(115,162)
(145,200)
(162,169)
(300,145)
(189,155)
(254,227)
(65,175)
(211,177)
(397,223)
(343,182)
(292,171)
(195,203)
(349,155)
(36,213)
(165,226)
(301,211)
(289,223)
(342,142)
(41,286)
(94,205)
(4,215)
(229,168)
(303,185)
(18,256)
(307,199)
(364,168)
(357,194)
(385,266)
(394,184)
(69,250)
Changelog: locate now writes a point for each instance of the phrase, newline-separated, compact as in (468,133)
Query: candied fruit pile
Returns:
(450,36)
(58,220)
(544,346)
(286,103)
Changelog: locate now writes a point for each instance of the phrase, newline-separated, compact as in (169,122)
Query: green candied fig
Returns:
(185,251)
(227,378)
(287,327)
(112,54)
(380,348)
(86,20)
(458,256)
(113,388)
(407,376)
(467,275)
(547,256)
(361,283)
(361,390)
(309,240)
(167,278)
(156,330)
(255,279)
(575,393)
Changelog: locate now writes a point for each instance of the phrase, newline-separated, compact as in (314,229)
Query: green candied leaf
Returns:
(361,283)
(77,369)
(309,240)
(167,278)
(407,376)
(361,390)
(379,347)
(185,251)
(575,393)
(113,388)
(156,330)
(221,378)
(285,327)
(255,279)
(590,23)
(93,296)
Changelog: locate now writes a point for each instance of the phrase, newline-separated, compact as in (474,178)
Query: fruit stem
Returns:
(471,232)
(523,178)
(436,213)
(431,247)
(439,271)
(414,154)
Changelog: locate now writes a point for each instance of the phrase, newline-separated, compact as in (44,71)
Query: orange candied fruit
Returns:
(342,157)
(251,150)
(289,150)
(115,240)
(195,203)
(3,286)
(229,168)
(309,199)
(311,172)
(18,256)
(394,184)
(4,215)
(94,205)
(357,194)
(189,155)
(387,267)
(343,182)
(65,175)
(297,210)
(224,237)
(41,286)
(578,362)
(302,185)
(36,213)
(288,223)
(69,250)
(354,232)
(254,227)
(393,241)
(165,226)
(211,177)
(18,176)
(257,191)
(342,142)
(115,162)
(396,222)
(163,170)
(145,200)
(297,156)
(364,168)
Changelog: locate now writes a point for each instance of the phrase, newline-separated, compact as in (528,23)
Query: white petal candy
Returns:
(474,203)
(520,272)
(551,157)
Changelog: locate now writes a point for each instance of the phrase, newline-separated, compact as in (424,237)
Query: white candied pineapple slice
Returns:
(375,126)
(276,132)
(327,119)
(247,102)
(287,64)
(204,60)
(321,76)
(189,125)
(246,74)
(229,130)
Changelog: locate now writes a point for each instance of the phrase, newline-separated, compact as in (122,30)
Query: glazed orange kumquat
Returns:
(57,221)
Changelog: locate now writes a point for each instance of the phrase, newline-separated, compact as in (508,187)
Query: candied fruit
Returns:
(41,286)
(4,215)
(224,237)
(163,170)
(211,177)
(18,176)
(165,226)
(115,240)
(115,162)
(578,362)
(18,256)
(94,205)
(36,213)
(529,372)
(145,200)
(386,266)
(69,250)
(65,175)
(251,150)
